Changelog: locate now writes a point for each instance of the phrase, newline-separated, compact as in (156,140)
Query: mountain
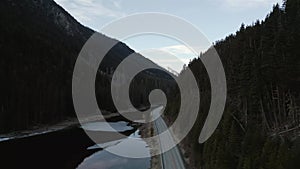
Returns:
(260,127)
(40,43)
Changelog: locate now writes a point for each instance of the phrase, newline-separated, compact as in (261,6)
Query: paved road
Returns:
(171,159)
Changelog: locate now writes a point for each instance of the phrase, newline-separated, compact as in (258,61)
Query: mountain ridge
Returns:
(40,42)
(260,124)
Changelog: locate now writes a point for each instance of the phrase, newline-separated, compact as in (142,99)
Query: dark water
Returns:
(67,149)
(104,159)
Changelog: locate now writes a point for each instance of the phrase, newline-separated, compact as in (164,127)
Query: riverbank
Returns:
(71,148)
(69,122)
(45,129)
(147,131)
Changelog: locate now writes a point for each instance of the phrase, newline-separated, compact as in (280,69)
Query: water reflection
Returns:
(106,160)
(120,126)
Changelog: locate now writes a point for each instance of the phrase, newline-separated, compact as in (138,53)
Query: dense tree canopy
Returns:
(39,45)
(260,125)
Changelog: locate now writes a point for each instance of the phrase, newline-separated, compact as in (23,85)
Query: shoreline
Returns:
(148,131)
(64,124)
(39,130)
(49,128)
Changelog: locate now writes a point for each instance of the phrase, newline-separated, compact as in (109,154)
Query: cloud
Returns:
(177,49)
(243,4)
(117,4)
(89,10)
(173,57)
(180,50)
(164,59)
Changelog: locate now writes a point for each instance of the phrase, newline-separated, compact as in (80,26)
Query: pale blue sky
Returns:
(215,18)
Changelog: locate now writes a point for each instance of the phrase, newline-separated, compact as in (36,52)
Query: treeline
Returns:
(261,124)
(39,45)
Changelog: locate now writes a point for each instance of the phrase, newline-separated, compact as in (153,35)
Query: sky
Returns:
(216,19)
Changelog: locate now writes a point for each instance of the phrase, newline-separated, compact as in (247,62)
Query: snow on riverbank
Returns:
(41,130)
(49,128)
(62,125)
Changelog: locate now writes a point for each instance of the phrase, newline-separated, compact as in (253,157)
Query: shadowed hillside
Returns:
(260,127)
(40,43)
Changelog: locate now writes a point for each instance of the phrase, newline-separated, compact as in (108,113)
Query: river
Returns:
(71,148)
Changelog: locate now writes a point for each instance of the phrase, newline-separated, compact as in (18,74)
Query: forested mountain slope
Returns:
(260,127)
(39,44)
